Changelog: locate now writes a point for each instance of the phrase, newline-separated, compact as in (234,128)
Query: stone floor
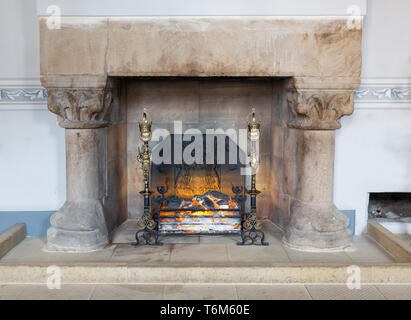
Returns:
(184,251)
(199,250)
(205,292)
(406,237)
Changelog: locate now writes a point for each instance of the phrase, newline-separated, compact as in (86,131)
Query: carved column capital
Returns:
(319,109)
(80,108)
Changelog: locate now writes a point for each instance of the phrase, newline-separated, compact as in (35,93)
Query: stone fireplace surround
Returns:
(313,66)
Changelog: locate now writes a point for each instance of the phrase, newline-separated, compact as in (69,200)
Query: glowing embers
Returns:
(212,212)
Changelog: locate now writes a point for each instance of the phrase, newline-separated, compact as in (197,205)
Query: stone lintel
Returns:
(320,46)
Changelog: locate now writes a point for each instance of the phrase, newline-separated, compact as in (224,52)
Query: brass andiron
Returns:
(251,233)
(148,232)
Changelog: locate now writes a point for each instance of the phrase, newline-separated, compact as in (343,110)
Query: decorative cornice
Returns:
(80,108)
(27,94)
(383,94)
(362,94)
(23,95)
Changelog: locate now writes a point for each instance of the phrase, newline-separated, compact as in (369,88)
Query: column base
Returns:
(75,241)
(317,227)
(78,226)
(317,241)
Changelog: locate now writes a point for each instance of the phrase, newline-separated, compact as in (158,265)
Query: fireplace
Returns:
(300,73)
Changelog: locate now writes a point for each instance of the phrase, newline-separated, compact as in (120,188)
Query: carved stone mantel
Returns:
(317,58)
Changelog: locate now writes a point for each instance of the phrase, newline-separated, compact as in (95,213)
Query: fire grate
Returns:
(211,212)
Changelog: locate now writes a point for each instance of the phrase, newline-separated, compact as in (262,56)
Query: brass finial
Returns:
(145,126)
(253,126)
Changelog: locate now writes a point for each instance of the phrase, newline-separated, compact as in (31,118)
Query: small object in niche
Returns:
(391,215)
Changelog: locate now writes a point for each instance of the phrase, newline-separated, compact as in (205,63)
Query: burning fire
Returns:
(195,215)
(195,203)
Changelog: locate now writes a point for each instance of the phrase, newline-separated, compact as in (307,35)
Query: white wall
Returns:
(19,45)
(373,154)
(32,170)
(372,149)
(387,42)
(32,164)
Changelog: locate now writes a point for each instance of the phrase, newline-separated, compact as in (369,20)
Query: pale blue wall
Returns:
(37,222)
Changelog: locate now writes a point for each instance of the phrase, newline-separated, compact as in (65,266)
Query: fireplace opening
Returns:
(197,103)
(205,197)
(180,105)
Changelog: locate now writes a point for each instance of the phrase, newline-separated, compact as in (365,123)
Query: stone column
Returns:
(315,222)
(80,224)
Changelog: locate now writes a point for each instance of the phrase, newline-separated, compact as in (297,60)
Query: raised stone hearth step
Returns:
(398,247)
(123,273)
(201,259)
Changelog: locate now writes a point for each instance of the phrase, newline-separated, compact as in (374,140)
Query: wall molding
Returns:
(374,93)
(384,90)
(19,95)
(22,94)
(377,94)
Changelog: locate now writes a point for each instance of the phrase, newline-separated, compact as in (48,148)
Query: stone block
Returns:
(233,46)
(77,48)
(398,248)
(11,237)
